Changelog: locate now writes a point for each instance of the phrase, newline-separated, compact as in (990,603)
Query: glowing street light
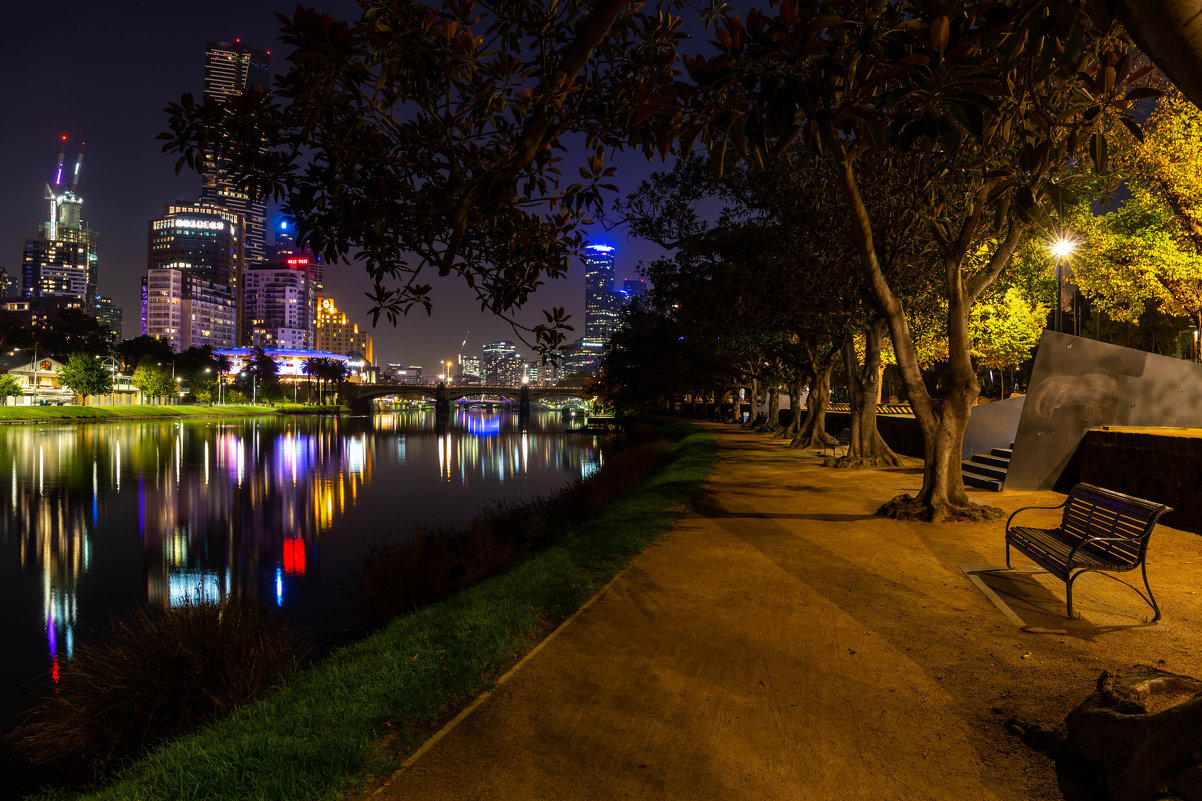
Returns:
(1061,249)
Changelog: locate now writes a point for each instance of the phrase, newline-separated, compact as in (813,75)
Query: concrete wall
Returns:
(1078,384)
(1155,464)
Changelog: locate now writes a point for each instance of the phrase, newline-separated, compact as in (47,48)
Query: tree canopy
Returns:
(84,374)
(442,138)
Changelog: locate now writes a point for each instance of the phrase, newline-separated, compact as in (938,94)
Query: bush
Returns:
(157,674)
(433,563)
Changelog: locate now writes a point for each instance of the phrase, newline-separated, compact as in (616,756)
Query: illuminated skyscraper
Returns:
(502,364)
(231,69)
(200,239)
(601,306)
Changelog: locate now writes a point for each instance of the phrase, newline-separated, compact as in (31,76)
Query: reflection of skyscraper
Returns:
(231,69)
(600,300)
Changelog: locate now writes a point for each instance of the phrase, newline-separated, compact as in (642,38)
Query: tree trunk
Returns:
(772,424)
(813,430)
(800,380)
(753,398)
(941,420)
(867,449)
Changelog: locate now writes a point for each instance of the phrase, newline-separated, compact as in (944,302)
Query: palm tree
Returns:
(313,370)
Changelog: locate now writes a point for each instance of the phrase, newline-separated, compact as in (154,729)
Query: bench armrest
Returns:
(1026,508)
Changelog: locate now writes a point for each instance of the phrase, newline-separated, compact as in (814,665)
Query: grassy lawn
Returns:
(69,413)
(354,716)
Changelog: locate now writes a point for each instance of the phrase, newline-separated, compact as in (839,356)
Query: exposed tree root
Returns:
(857,463)
(907,507)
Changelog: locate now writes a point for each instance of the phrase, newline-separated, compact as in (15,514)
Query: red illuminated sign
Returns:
(298,262)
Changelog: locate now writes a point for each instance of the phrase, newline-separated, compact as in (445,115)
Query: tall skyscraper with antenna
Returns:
(63,260)
(231,68)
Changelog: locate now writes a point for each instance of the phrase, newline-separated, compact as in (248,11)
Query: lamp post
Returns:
(1061,249)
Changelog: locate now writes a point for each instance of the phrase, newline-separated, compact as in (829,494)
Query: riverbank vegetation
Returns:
(50,414)
(348,720)
(156,674)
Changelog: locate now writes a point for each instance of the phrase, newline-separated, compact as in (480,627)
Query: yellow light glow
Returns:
(1062,247)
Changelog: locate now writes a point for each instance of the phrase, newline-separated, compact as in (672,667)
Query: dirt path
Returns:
(785,643)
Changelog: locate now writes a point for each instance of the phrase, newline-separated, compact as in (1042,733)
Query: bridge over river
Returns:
(361,396)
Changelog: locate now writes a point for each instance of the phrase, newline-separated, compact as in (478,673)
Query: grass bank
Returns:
(52,414)
(340,724)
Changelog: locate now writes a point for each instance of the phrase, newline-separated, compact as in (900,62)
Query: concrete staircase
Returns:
(988,470)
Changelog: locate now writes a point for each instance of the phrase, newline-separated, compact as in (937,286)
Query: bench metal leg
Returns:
(1151,598)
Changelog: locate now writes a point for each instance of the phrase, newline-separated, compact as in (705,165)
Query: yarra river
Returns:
(97,518)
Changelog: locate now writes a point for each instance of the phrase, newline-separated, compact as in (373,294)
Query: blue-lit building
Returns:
(602,305)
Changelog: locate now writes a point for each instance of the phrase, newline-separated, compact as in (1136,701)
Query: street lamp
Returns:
(1061,250)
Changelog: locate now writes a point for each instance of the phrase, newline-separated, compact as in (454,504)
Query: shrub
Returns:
(157,674)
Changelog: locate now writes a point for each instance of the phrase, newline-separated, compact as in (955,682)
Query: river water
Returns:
(97,518)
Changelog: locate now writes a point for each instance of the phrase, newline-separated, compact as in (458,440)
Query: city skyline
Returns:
(118,94)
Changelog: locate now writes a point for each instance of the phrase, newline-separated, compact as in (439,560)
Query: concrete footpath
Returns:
(783,642)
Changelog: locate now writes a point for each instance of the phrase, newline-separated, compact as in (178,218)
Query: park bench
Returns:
(842,441)
(1100,530)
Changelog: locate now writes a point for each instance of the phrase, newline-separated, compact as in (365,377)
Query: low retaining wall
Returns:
(1159,464)
(900,433)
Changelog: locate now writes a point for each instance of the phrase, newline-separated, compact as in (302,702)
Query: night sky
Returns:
(103,72)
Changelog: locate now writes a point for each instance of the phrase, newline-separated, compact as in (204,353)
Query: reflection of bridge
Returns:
(360,396)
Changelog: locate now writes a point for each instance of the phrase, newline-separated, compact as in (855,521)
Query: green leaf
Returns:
(969,115)
(1133,127)
(1142,93)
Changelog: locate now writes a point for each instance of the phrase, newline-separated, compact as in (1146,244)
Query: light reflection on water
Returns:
(98,517)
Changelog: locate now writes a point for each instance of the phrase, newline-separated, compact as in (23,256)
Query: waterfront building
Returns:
(334,332)
(232,68)
(186,311)
(398,373)
(277,305)
(470,371)
(503,366)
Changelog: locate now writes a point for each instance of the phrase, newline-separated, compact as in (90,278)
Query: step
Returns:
(1005,453)
(991,459)
(979,469)
(981,482)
